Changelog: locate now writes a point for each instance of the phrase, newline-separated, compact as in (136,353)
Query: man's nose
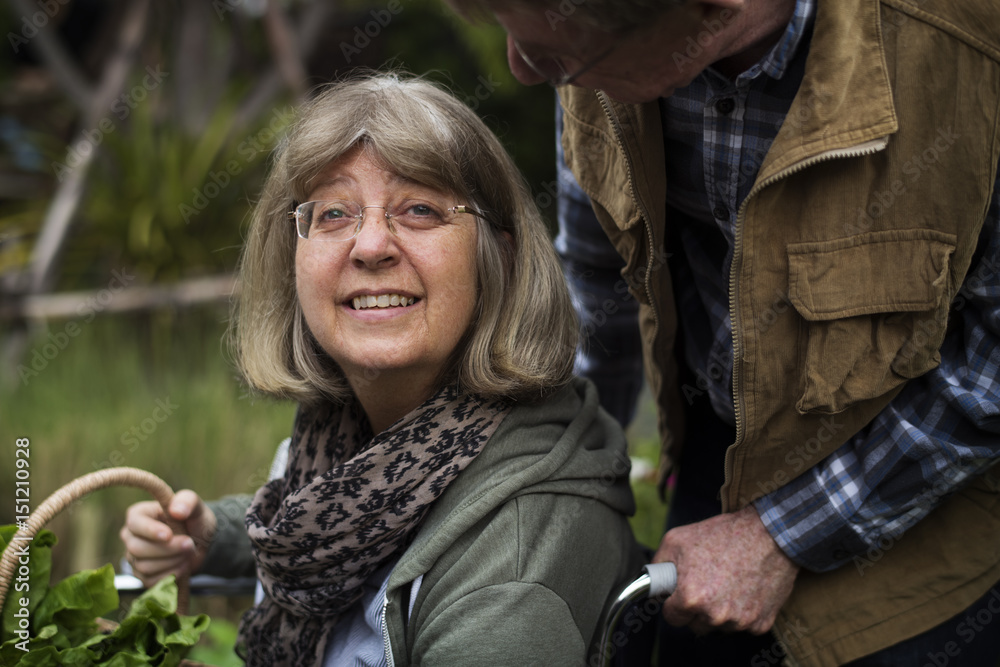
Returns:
(520,69)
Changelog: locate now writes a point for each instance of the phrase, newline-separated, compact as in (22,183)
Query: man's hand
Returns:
(731,575)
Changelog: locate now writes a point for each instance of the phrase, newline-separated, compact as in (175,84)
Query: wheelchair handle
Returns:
(657,580)
(662,579)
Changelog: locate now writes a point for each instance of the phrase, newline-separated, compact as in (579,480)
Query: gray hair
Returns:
(521,343)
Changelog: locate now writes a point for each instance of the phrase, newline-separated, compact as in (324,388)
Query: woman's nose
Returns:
(375,243)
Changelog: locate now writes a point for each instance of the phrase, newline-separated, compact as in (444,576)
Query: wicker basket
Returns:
(72,492)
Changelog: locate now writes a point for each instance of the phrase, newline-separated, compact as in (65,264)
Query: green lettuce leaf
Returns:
(78,599)
(34,586)
(62,627)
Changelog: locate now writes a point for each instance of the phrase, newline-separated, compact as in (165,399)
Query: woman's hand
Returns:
(157,545)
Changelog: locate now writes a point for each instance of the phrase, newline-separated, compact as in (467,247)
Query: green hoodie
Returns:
(522,554)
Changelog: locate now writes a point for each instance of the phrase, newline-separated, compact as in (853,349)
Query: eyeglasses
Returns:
(553,68)
(342,220)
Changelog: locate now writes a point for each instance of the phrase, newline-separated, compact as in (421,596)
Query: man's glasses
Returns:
(554,69)
(342,220)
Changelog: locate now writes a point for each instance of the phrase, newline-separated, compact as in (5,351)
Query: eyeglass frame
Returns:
(294,215)
(566,78)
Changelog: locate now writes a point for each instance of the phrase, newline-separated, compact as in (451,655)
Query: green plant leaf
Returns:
(63,629)
(35,585)
(79,598)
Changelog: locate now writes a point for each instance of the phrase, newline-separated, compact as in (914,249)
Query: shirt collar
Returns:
(777,60)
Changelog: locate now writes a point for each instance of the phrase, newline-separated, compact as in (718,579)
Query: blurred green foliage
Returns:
(178,164)
(168,204)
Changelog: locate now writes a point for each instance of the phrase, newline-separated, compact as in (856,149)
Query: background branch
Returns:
(55,227)
(49,48)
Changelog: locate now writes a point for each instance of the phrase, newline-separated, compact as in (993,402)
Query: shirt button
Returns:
(725,106)
(721,212)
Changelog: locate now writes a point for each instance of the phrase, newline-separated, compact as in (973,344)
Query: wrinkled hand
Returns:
(731,575)
(157,545)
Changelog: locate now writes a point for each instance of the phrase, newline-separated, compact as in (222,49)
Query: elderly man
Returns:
(798,200)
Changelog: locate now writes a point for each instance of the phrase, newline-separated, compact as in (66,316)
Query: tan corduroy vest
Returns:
(850,250)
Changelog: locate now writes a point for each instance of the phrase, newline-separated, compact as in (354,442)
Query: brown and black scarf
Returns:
(348,504)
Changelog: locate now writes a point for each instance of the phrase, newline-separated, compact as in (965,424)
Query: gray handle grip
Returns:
(662,579)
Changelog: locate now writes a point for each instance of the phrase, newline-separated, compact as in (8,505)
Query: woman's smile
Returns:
(383,300)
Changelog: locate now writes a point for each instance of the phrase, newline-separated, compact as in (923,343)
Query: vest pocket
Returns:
(875,308)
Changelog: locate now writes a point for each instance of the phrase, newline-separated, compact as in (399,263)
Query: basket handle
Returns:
(75,490)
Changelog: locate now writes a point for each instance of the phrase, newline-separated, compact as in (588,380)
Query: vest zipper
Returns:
(385,631)
(866,148)
(606,105)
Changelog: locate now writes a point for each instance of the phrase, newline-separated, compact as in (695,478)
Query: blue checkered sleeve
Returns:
(938,433)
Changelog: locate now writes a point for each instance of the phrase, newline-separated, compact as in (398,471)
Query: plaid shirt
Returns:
(941,430)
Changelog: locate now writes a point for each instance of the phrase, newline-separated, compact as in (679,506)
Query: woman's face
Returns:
(430,274)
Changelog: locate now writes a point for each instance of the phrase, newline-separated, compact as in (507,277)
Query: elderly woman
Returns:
(452,495)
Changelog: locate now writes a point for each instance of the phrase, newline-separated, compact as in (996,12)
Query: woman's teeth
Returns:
(382,301)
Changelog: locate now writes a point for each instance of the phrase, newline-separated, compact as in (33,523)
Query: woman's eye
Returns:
(421,210)
(332,214)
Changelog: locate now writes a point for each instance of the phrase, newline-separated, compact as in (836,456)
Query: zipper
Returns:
(616,126)
(385,630)
(866,148)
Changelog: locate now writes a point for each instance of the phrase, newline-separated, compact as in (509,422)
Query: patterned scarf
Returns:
(347,505)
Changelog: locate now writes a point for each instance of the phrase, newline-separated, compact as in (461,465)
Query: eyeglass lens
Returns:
(340,220)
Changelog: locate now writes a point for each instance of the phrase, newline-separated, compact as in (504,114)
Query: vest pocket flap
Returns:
(880,272)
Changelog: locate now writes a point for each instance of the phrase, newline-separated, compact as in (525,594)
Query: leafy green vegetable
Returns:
(37,582)
(63,631)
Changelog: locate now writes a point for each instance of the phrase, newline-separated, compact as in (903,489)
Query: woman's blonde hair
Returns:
(522,341)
